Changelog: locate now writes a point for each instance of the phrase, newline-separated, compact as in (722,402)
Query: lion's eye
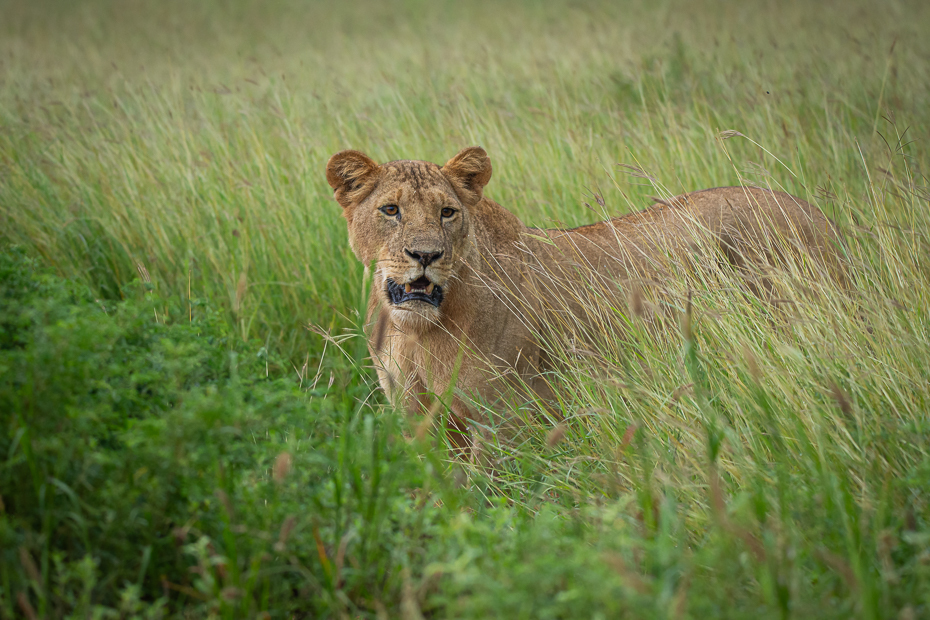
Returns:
(390,210)
(448,212)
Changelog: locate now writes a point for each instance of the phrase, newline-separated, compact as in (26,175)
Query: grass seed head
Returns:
(751,363)
(282,466)
(841,398)
(381,326)
(286,528)
(637,306)
(241,287)
(686,321)
(555,436)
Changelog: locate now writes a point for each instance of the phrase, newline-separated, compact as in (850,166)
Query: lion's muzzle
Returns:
(420,289)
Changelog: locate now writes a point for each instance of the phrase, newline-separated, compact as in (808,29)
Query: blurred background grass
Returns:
(191,137)
(773,465)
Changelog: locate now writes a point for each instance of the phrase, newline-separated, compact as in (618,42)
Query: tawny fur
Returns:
(503,281)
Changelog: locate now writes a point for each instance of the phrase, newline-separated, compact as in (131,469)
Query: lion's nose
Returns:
(424,258)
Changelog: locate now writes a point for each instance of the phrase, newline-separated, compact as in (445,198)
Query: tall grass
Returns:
(192,139)
(768,460)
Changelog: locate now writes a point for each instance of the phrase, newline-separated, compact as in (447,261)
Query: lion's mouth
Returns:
(420,289)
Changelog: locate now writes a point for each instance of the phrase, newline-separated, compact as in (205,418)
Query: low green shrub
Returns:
(149,458)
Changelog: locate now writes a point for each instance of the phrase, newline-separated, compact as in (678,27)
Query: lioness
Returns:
(461,287)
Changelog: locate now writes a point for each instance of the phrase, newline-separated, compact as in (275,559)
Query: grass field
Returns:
(176,442)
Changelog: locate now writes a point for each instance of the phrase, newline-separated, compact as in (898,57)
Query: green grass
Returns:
(774,464)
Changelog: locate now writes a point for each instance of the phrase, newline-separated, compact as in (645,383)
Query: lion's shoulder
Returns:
(496,228)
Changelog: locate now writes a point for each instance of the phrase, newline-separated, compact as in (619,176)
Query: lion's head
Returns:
(411,218)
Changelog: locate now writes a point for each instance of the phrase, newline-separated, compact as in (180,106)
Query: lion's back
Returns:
(740,220)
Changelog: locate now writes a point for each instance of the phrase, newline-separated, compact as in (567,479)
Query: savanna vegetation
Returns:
(188,424)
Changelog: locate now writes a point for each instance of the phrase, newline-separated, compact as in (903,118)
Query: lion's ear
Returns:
(351,175)
(469,172)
